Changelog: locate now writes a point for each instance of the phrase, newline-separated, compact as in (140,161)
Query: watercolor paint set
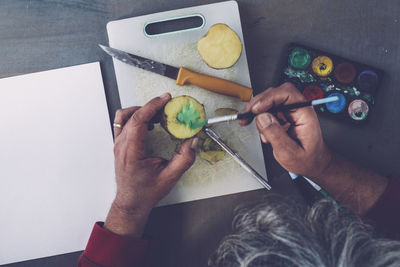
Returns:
(318,74)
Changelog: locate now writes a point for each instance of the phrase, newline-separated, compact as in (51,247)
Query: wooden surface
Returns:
(42,34)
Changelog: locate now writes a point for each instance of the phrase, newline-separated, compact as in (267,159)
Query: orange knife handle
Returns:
(214,84)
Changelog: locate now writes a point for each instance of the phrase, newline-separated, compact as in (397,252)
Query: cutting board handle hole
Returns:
(174,25)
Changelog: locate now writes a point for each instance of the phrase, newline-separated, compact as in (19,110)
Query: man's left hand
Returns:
(141,180)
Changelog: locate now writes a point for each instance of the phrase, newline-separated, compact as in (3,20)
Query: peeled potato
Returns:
(209,144)
(212,156)
(169,119)
(211,151)
(221,47)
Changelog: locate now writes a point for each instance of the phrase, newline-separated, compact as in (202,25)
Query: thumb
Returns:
(271,131)
(181,161)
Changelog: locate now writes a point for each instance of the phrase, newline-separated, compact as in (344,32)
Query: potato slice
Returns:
(210,144)
(221,47)
(211,151)
(172,108)
(202,135)
(212,156)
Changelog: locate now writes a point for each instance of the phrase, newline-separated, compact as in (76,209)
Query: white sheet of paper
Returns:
(56,161)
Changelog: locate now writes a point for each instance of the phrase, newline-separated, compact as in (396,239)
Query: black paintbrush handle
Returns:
(289,107)
(246,115)
(251,115)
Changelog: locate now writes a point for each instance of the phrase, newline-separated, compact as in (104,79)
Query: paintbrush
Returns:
(251,115)
(237,158)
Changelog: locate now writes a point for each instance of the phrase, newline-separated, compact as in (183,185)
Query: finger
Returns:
(248,107)
(149,110)
(287,93)
(136,127)
(263,139)
(283,121)
(286,126)
(157,117)
(254,100)
(282,95)
(121,117)
(281,118)
(180,162)
(285,148)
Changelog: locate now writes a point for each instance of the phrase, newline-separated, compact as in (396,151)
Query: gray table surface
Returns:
(38,35)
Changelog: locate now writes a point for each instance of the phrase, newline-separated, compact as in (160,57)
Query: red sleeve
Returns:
(107,249)
(385,214)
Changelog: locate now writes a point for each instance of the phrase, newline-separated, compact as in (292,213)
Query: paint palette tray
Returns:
(319,74)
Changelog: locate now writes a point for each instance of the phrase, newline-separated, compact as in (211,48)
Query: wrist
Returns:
(356,188)
(126,222)
(327,164)
(321,164)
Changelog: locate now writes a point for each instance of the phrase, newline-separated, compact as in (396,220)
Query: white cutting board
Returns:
(137,86)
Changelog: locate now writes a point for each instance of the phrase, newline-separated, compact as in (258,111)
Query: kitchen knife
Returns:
(182,75)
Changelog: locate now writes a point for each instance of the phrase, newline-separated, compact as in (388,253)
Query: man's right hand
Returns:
(297,144)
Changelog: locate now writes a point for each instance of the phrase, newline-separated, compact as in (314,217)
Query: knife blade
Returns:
(237,158)
(182,75)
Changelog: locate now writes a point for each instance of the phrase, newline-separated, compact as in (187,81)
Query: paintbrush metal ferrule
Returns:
(222,119)
(227,118)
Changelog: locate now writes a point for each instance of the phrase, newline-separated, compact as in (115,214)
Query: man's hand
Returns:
(142,181)
(297,144)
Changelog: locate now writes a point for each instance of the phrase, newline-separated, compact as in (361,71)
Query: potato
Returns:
(221,47)
(175,106)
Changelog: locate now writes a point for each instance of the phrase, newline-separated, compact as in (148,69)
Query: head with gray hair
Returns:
(283,232)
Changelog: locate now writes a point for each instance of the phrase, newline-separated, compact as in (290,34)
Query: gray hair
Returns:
(284,232)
